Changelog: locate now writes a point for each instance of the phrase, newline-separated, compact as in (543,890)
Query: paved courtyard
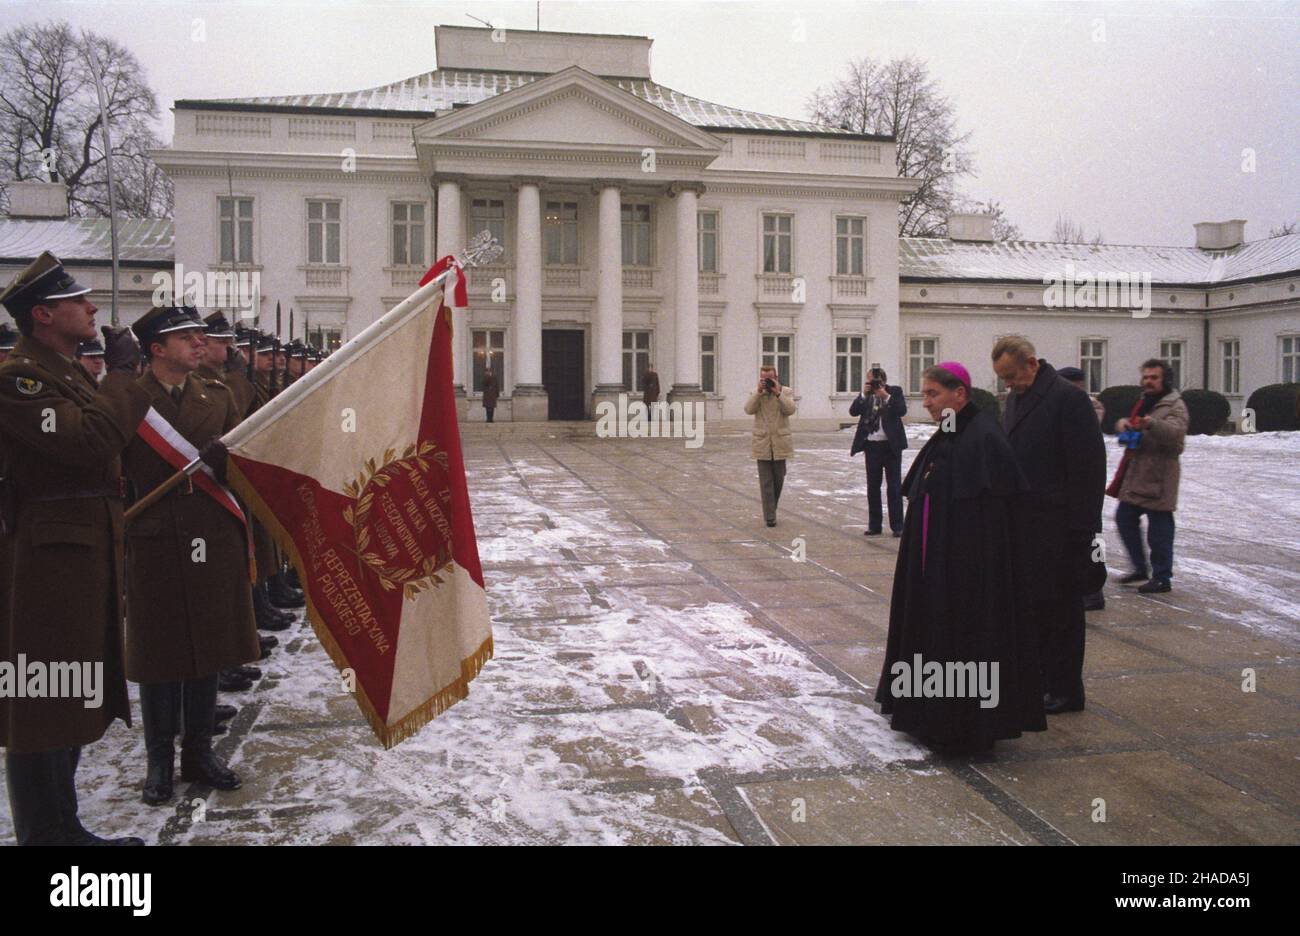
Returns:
(667,672)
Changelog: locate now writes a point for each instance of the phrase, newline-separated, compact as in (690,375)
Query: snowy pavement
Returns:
(666,672)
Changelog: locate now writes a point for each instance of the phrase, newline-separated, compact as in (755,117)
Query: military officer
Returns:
(224,362)
(62,436)
(189,614)
(90,355)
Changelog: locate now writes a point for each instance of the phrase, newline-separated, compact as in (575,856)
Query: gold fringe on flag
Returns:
(412,721)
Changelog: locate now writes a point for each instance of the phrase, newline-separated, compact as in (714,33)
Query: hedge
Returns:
(1118,401)
(1276,406)
(1209,411)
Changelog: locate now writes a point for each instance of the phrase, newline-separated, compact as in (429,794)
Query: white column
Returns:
(686,360)
(607,346)
(451,240)
(528,397)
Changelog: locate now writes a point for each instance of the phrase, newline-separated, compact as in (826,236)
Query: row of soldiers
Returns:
(165,601)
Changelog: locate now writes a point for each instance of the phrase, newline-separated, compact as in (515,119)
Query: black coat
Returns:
(891,420)
(1053,430)
(959,588)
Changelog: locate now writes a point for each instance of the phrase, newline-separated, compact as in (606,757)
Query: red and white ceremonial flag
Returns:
(356,470)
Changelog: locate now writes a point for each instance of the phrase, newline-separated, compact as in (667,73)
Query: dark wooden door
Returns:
(562,373)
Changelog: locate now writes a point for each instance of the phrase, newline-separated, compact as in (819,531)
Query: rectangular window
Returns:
(850,363)
(236,230)
(560,233)
(1231,366)
(488,214)
(1092,361)
(325,338)
(636,359)
(776,352)
(709,363)
(1290,348)
(636,234)
(708,241)
(489,349)
(1173,353)
(778,243)
(850,246)
(323,232)
(408,234)
(921,353)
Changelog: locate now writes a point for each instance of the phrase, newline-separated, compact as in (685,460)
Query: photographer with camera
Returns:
(771,405)
(1146,481)
(880,409)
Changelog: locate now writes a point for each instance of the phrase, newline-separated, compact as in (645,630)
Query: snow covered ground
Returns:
(625,679)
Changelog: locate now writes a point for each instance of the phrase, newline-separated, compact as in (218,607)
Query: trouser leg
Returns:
(1063,647)
(160,710)
(38,786)
(1160,537)
(1127,521)
(778,479)
(894,486)
(766,488)
(875,474)
(199,705)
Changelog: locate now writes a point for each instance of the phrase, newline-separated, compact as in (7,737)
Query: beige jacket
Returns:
(1151,476)
(772,440)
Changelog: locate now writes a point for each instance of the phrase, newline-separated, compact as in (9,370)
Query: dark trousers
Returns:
(165,707)
(43,796)
(1160,537)
(489,410)
(771,476)
(1061,649)
(883,460)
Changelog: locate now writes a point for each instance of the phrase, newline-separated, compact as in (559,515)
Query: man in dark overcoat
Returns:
(1054,433)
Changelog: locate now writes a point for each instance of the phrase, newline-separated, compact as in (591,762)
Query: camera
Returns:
(1129,438)
(769,384)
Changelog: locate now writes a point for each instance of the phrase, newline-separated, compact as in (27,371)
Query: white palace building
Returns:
(643,226)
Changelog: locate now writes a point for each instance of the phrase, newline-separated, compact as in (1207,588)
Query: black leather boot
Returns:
(224,712)
(267,642)
(231,681)
(160,710)
(251,673)
(267,617)
(291,576)
(282,594)
(199,764)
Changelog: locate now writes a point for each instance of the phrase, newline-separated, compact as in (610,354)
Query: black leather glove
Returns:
(236,363)
(121,350)
(214,455)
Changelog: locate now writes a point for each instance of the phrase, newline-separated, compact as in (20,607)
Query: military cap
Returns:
(163,320)
(44,280)
(91,348)
(8,338)
(218,326)
(265,343)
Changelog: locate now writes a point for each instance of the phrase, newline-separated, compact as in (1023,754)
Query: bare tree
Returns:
(1286,227)
(50,120)
(900,99)
(1065,231)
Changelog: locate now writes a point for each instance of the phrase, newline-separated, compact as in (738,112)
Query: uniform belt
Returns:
(114,490)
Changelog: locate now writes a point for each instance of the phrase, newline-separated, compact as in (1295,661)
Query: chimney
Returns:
(973,227)
(33,200)
(1220,235)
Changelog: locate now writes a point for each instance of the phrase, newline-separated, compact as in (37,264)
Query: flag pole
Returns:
(97,72)
(160,491)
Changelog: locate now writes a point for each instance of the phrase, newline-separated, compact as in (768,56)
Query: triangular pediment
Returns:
(569,108)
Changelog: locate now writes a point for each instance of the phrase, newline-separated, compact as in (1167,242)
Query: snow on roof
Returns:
(445,88)
(140,240)
(938,258)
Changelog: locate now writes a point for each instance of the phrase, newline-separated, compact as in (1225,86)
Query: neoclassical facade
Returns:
(642,227)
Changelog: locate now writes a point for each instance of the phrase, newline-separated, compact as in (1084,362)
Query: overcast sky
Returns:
(1138,135)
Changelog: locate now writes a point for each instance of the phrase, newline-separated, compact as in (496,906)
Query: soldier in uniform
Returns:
(62,436)
(189,614)
(223,361)
(90,355)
